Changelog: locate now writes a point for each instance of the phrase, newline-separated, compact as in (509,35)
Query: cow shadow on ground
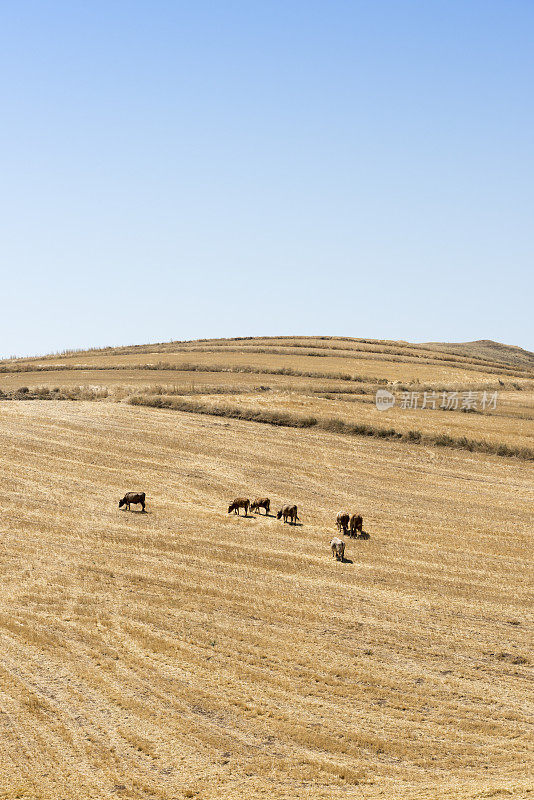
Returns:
(347,560)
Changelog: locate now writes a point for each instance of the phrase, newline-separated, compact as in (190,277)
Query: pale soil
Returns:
(188,653)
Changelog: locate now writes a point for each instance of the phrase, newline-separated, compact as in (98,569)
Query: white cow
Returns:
(338,548)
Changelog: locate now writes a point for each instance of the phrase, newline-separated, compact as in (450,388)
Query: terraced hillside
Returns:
(190,653)
(298,380)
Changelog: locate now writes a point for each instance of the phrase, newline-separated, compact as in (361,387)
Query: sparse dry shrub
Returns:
(58,393)
(192,367)
(414,436)
(203,389)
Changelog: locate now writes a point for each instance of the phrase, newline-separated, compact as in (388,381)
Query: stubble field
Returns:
(189,653)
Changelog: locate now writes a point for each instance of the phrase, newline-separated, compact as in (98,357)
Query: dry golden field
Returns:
(190,653)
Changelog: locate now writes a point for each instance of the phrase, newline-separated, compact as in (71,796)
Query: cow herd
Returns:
(348,524)
(287,513)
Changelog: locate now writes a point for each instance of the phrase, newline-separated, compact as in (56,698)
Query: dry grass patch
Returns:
(290,419)
(186,650)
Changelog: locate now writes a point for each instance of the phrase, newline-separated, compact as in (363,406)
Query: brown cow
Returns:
(260,502)
(132,497)
(342,522)
(356,525)
(288,512)
(239,502)
(338,548)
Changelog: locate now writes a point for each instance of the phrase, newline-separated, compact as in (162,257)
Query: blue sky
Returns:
(177,170)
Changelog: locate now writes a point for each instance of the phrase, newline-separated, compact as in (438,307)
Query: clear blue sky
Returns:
(176,170)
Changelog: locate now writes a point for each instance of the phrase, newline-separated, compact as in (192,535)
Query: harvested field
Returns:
(507,426)
(190,653)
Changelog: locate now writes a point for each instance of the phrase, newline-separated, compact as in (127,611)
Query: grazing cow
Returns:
(356,525)
(239,502)
(342,522)
(132,497)
(338,548)
(288,512)
(260,502)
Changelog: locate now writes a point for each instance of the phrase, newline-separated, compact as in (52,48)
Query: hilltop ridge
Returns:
(485,351)
(487,348)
